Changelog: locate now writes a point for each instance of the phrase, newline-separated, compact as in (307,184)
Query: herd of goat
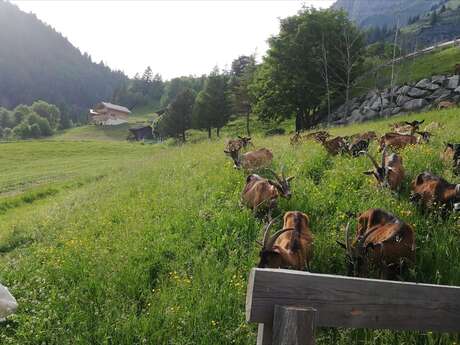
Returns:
(381,239)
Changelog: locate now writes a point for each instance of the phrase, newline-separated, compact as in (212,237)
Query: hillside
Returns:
(36,62)
(121,243)
(383,13)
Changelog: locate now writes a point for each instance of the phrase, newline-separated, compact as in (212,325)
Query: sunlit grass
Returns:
(149,244)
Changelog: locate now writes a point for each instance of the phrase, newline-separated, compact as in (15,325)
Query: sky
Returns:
(173,37)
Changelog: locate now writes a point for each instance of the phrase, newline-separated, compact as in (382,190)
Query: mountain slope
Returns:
(36,62)
(380,13)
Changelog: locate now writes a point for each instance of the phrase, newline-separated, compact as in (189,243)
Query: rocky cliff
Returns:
(414,97)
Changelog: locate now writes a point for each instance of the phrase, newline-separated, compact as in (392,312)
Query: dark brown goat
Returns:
(381,240)
(290,247)
(430,190)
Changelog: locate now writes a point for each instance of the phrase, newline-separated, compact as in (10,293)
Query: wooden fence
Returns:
(289,305)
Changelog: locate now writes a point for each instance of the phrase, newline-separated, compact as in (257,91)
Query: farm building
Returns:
(141,133)
(108,114)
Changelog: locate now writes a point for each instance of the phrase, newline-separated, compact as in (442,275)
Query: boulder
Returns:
(396,110)
(438,79)
(370,114)
(380,104)
(403,90)
(415,104)
(387,112)
(453,82)
(457,90)
(402,99)
(426,84)
(440,94)
(417,93)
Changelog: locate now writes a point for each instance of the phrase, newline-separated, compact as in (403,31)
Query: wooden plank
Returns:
(354,302)
(294,325)
(264,334)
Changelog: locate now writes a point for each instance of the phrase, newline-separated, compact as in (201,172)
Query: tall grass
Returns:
(159,249)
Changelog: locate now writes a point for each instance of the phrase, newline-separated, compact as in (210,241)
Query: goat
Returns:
(381,240)
(238,144)
(260,192)
(290,247)
(457,69)
(451,155)
(252,160)
(429,190)
(358,146)
(446,105)
(406,128)
(8,304)
(390,173)
(335,146)
(320,136)
(396,141)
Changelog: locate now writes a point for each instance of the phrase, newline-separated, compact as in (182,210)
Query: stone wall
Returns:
(412,97)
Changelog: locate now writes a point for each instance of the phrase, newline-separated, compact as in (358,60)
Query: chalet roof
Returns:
(116,107)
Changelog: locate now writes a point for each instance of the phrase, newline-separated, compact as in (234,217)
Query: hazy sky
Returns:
(174,37)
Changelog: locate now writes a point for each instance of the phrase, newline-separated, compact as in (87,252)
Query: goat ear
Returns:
(226,151)
(290,178)
(368,172)
(342,245)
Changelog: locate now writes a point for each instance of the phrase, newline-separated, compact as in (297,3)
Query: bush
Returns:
(22,130)
(275,131)
(35,131)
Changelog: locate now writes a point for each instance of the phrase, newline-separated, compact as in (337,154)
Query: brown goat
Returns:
(396,141)
(381,240)
(451,155)
(318,136)
(260,192)
(390,173)
(238,144)
(291,247)
(335,146)
(430,190)
(406,128)
(252,160)
(446,105)
(457,69)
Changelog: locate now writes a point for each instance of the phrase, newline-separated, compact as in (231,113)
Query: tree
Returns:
(47,111)
(290,80)
(178,116)
(434,18)
(214,104)
(241,75)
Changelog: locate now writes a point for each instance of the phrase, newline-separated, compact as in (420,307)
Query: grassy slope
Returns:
(149,244)
(441,61)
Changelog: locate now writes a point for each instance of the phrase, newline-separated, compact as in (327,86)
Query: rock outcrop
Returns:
(412,97)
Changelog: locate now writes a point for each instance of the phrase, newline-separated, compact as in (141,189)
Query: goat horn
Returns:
(384,153)
(275,237)
(267,233)
(371,158)
(274,174)
(347,239)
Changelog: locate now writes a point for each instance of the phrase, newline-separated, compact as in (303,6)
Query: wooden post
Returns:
(294,325)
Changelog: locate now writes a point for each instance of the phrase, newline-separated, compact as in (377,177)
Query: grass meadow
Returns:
(110,242)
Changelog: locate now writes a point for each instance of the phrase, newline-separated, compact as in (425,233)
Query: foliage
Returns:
(213,104)
(178,116)
(30,121)
(290,81)
(72,212)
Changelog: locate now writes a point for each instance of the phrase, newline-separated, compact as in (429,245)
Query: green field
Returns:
(109,242)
